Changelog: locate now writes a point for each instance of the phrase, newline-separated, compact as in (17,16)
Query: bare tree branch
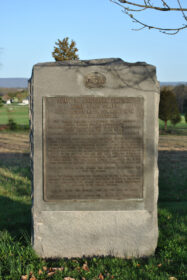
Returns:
(182,10)
(149,6)
(130,8)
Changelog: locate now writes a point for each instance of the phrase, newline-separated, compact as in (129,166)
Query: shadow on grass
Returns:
(14,159)
(15,217)
(173,131)
(172,176)
(15,190)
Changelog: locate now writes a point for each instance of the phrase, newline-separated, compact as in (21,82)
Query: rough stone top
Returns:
(121,74)
(92,62)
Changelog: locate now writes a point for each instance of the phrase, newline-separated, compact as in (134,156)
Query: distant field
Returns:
(20,114)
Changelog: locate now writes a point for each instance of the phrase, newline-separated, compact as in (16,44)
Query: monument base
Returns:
(71,234)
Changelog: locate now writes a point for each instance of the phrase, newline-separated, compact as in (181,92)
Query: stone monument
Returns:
(94,137)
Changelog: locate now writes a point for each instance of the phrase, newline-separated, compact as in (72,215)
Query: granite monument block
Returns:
(94,137)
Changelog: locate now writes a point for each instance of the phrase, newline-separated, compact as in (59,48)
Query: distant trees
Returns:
(176,119)
(168,107)
(181,95)
(13,94)
(65,50)
(185,116)
(1,101)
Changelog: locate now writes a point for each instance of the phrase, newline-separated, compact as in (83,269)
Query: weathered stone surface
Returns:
(94,154)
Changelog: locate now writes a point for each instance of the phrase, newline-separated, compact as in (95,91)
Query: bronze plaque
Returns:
(93,147)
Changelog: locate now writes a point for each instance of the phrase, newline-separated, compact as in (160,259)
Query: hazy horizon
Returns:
(20,82)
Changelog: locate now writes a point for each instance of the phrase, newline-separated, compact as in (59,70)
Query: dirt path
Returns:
(14,143)
(172,143)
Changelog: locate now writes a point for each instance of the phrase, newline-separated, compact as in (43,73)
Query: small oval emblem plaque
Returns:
(94,80)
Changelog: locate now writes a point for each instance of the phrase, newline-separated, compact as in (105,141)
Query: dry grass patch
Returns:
(14,142)
(172,143)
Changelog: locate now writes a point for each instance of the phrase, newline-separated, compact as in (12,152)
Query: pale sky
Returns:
(30,28)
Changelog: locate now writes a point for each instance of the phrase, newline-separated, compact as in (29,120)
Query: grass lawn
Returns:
(19,113)
(17,258)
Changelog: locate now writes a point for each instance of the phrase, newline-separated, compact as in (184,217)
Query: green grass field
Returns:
(17,258)
(20,114)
